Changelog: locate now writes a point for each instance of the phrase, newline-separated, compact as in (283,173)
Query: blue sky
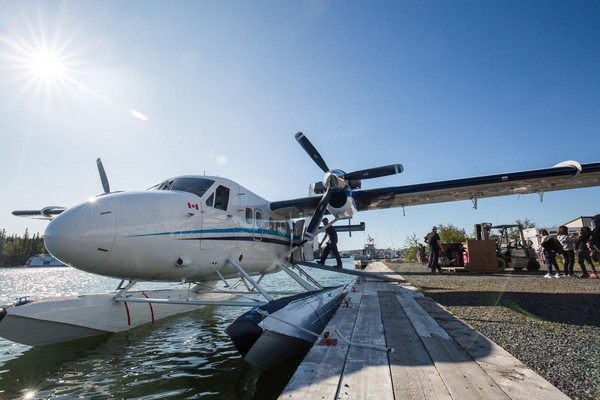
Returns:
(447,88)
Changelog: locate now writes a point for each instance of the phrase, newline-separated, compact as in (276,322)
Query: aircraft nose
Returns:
(83,235)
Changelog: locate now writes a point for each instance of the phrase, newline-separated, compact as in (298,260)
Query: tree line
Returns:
(16,250)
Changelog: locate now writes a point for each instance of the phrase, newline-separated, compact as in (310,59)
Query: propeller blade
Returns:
(313,226)
(375,172)
(312,152)
(103,177)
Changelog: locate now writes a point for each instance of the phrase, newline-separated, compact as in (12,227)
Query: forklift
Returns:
(517,254)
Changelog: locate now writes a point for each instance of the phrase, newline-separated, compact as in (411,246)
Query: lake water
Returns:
(183,357)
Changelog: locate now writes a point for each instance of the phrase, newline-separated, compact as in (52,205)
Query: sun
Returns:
(42,61)
(48,65)
(45,62)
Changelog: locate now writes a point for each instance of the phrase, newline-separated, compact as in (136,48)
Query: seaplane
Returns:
(219,239)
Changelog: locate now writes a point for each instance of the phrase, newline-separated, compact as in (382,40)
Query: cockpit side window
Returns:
(210,200)
(222,198)
(197,186)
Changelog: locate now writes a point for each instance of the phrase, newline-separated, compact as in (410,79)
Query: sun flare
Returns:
(47,65)
(42,61)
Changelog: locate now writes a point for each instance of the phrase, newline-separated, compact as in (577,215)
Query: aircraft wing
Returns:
(568,175)
(45,213)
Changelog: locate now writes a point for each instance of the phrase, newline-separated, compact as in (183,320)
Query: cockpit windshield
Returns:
(197,186)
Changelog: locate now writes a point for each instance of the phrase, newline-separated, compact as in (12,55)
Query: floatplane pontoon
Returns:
(200,230)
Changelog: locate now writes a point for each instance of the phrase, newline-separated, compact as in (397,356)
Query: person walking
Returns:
(583,252)
(568,244)
(548,254)
(331,234)
(435,246)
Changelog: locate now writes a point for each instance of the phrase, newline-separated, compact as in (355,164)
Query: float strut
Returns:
(249,279)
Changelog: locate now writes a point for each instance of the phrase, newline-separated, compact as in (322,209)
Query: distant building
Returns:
(580,222)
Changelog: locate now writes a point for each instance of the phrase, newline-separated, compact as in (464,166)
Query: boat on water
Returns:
(43,260)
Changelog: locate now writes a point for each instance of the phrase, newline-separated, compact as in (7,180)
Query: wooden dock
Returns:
(436,355)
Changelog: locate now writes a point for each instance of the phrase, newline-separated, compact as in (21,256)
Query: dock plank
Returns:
(318,376)
(464,378)
(515,379)
(438,356)
(363,365)
(414,375)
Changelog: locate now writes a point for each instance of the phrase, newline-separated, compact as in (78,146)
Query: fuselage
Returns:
(184,228)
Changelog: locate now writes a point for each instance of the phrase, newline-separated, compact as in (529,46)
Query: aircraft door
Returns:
(298,231)
(258,229)
(218,221)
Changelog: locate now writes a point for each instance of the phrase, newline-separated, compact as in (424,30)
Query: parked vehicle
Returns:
(517,254)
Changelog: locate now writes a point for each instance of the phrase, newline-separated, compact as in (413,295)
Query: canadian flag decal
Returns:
(193,205)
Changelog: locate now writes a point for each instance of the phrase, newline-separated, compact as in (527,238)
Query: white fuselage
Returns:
(185,228)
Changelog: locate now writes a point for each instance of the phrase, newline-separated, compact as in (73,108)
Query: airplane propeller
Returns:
(313,226)
(103,176)
(368,173)
(337,180)
(312,152)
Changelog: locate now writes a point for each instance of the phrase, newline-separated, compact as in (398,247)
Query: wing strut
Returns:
(307,286)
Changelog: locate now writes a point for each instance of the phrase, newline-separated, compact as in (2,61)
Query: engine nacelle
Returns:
(341,204)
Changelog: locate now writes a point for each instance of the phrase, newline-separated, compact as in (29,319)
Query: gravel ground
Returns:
(551,325)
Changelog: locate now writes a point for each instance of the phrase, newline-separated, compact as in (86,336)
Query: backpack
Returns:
(554,245)
(595,237)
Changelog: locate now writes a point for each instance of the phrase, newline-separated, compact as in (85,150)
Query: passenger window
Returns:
(210,200)
(281,227)
(249,216)
(258,219)
(222,198)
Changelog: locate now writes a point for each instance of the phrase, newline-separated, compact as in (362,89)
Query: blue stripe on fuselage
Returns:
(225,234)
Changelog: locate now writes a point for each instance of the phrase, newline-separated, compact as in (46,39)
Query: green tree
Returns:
(11,250)
(15,250)
(451,234)
(411,247)
(2,241)
(513,233)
